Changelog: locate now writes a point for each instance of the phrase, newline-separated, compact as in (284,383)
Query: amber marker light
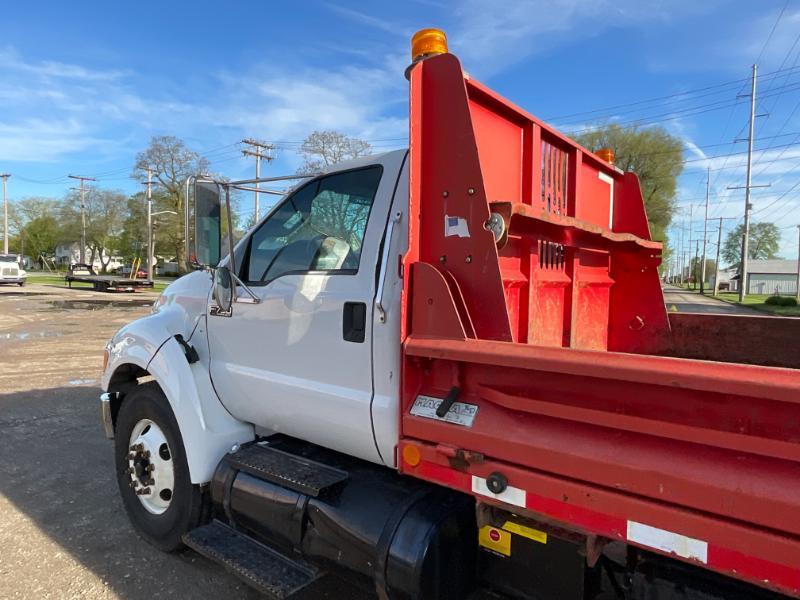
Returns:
(427,42)
(411,455)
(607,154)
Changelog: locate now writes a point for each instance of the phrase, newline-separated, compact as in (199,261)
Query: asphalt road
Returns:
(693,302)
(63,532)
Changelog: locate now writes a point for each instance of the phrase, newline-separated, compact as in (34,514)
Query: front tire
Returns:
(151,460)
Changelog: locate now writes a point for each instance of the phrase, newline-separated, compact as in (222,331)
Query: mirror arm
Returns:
(232,261)
(186,249)
(253,298)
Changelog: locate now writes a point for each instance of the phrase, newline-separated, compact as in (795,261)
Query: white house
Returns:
(70,252)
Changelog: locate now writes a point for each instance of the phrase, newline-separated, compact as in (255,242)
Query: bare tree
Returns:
(171,162)
(106,211)
(322,149)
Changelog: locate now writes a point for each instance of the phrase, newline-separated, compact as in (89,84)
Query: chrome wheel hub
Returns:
(150,466)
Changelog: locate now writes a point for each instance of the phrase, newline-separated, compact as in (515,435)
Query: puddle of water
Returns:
(82,381)
(6,294)
(26,335)
(97,304)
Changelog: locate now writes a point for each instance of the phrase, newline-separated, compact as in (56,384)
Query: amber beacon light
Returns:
(427,42)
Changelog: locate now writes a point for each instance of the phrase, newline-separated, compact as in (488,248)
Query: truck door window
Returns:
(320,227)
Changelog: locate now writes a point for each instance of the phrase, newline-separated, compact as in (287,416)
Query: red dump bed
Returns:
(532,288)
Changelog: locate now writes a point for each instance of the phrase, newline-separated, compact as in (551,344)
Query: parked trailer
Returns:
(449,372)
(104,283)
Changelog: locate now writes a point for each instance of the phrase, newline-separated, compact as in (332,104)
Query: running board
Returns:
(268,571)
(288,470)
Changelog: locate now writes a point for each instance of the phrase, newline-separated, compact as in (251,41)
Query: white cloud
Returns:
(491,37)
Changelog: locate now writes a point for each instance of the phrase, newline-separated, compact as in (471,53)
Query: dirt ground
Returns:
(63,532)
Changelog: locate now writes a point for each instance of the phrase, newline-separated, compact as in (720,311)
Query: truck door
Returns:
(299,360)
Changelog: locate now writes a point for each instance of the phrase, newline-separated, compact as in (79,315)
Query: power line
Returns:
(684,96)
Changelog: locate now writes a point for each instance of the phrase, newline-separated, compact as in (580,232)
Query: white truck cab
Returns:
(11,270)
(307,345)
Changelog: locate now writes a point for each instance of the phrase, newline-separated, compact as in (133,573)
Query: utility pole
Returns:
(696,258)
(689,247)
(798,263)
(83,214)
(5,177)
(716,264)
(705,234)
(149,225)
(746,236)
(747,187)
(262,151)
(681,255)
(719,250)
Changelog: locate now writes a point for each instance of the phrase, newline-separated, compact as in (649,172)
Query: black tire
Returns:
(21,283)
(189,506)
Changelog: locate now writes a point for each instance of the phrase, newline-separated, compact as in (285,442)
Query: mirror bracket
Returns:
(253,299)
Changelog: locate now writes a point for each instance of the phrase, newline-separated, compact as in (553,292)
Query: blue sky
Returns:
(84,85)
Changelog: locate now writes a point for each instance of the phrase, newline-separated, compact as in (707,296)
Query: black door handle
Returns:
(354,322)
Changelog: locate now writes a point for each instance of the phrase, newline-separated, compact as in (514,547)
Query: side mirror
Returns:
(223,291)
(205,237)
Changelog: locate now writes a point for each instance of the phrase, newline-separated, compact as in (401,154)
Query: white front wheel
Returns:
(152,471)
(150,466)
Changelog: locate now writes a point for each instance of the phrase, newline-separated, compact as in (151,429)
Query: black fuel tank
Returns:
(403,536)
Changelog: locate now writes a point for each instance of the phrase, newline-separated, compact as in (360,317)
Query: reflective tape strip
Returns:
(510,495)
(668,541)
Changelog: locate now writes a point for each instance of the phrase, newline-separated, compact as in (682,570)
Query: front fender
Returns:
(148,346)
(207,428)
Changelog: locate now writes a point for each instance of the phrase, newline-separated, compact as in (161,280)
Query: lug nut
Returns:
(131,456)
(143,492)
(146,454)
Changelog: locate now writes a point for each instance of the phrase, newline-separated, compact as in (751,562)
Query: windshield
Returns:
(8,258)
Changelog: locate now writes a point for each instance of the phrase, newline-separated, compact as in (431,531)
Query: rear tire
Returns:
(187,504)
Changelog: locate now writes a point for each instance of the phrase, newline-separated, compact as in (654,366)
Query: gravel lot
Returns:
(63,532)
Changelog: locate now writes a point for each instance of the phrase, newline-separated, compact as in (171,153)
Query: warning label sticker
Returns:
(495,539)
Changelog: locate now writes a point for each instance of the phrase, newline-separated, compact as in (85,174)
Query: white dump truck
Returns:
(447,372)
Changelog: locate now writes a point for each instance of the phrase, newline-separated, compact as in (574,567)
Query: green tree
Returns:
(133,237)
(765,239)
(655,156)
(41,236)
(696,269)
(171,162)
(34,220)
(105,212)
(322,149)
